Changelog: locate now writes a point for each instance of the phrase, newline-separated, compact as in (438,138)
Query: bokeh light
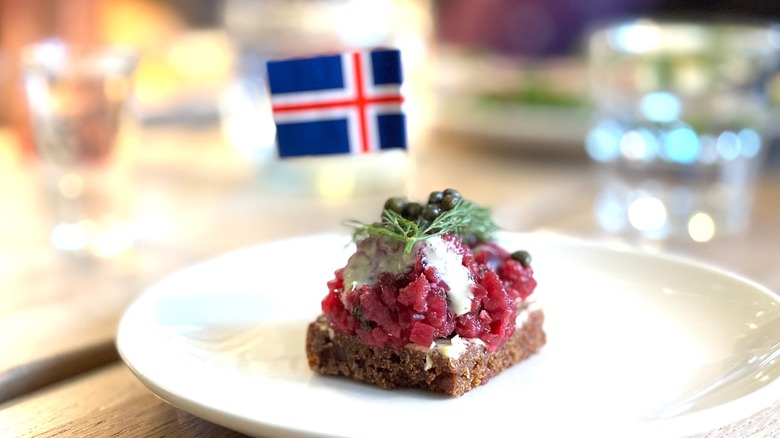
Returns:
(701,227)
(728,145)
(751,142)
(681,145)
(638,145)
(660,107)
(603,141)
(647,214)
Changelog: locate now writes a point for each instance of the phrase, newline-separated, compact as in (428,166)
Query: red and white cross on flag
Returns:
(338,104)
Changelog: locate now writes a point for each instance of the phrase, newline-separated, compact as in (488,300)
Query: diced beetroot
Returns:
(372,309)
(338,280)
(437,315)
(496,295)
(411,307)
(421,334)
(468,326)
(415,294)
(517,279)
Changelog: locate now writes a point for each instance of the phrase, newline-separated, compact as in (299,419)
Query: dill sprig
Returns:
(465,219)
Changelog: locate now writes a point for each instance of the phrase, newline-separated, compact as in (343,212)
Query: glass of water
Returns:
(680,115)
(76,98)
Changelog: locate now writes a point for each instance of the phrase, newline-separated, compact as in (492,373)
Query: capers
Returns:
(450,200)
(430,212)
(438,203)
(435,197)
(412,211)
(396,204)
(524,257)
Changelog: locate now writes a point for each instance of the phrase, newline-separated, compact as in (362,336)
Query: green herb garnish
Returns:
(464,219)
(357,313)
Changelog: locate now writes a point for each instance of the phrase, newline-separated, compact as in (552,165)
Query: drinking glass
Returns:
(77,97)
(679,133)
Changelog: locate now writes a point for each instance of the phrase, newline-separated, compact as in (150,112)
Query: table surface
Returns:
(196,198)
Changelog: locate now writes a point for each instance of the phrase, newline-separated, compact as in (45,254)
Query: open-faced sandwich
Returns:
(428,300)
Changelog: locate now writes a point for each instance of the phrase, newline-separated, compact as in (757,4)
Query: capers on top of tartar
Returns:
(438,202)
(522,256)
(446,211)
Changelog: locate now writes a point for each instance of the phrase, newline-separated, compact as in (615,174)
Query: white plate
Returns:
(638,344)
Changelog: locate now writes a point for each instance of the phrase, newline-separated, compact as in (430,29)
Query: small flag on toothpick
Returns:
(347,103)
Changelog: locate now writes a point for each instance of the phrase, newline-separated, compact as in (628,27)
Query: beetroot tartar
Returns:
(392,299)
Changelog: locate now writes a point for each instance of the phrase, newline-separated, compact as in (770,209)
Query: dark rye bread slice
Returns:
(337,354)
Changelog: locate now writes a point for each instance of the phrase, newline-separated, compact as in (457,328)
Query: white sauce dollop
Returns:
(440,254)
(374,256)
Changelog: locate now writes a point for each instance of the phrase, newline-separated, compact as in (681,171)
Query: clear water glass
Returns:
(681,111)
(77,98)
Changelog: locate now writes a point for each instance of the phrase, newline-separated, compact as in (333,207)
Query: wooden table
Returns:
(60,374)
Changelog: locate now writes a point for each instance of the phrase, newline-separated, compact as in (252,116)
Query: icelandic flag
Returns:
(347,103)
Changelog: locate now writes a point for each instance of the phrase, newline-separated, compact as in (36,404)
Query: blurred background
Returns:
(203,61)
(197,52)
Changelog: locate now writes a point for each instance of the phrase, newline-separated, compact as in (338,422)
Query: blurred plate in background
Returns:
(536,105)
